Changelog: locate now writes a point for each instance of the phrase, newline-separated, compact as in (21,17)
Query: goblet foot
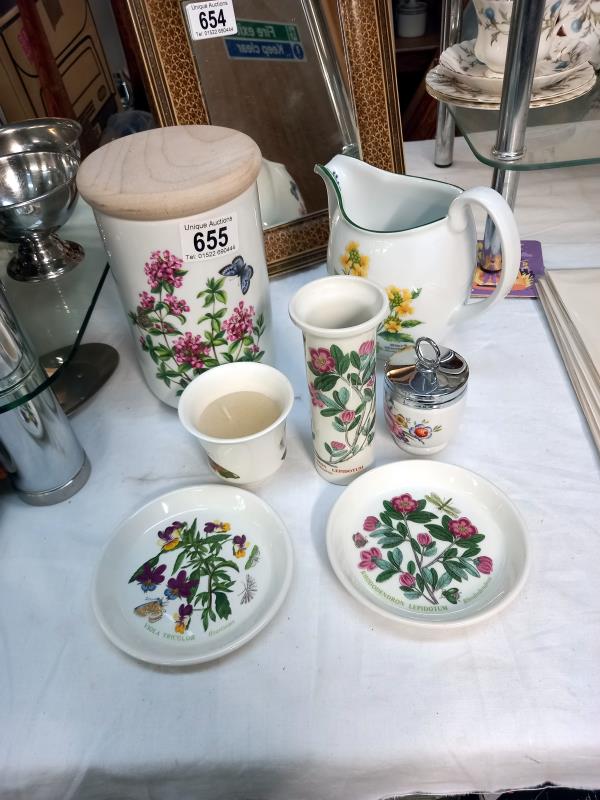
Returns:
(41,258)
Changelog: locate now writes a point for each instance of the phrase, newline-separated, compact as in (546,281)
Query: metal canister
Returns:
(424,400)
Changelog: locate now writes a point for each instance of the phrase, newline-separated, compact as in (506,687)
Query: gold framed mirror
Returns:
(292,95)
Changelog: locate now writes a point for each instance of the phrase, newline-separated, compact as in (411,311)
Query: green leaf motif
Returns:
(325,383)
(391,510)
(395,337)
(355,359)
(444,580)
(469,567)
(421,516)
(440,533)
(395,558)
(452,570)
(410,323)
(342,397)
(412,594)
(179,561)
(330,412)
(222,605)
(337,356)
(385,575)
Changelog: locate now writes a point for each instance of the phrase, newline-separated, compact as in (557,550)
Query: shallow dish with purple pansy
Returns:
(193,575)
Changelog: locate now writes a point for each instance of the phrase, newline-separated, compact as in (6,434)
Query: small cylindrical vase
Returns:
(339,317)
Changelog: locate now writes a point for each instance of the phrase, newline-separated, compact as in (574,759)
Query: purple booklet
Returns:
(532,267)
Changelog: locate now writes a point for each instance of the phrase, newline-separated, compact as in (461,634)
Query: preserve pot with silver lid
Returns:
(424,400)
(178,213)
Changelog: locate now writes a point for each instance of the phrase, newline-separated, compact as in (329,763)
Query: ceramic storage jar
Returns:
(424,401)
(178,213)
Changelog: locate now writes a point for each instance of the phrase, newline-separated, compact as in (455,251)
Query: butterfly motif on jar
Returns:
(239,269)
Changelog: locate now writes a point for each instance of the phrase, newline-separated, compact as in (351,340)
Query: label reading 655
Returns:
(208,237)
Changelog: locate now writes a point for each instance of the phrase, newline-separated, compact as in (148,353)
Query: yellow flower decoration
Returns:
(240,545)
(400,300)
(392,325)
(172,544)
(404,309)
(352,261)
(225,526)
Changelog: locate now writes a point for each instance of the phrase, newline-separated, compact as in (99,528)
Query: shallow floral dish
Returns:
(193,575)
(427,543)
(493,86)
(461,59)
(443,86)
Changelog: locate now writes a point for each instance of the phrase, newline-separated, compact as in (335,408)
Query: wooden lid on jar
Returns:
(167,173)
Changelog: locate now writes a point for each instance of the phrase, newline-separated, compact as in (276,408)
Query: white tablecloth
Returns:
(329,701)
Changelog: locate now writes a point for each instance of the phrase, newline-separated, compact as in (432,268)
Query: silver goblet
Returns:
(47,134)
(37,196)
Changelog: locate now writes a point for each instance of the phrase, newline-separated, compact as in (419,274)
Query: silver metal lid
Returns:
(436,376)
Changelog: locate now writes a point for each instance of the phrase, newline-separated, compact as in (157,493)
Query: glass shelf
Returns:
(565,135)
(54,313)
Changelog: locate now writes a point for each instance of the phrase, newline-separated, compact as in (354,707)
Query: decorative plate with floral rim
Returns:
(193,575)
(446,86)
(428,543)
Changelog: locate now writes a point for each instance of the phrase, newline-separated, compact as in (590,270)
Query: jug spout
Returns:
(330,173)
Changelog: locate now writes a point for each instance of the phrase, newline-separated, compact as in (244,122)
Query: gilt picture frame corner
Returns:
(177,97)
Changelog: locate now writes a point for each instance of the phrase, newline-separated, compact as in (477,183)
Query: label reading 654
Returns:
(209,237)
(211,18)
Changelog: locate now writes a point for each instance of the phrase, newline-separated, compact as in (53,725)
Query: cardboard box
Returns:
(80,58)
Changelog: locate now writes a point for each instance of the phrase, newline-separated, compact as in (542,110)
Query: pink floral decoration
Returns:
(146,301)
(366,348)
(367,558)
(462,528)
(338,446)
(404,504)
(424,539)
(190,349)
(347,416)
(484,564)
(239,323)
(322,360)
(406,579)
(163,267)
(176,305)
(359,540)
(370,523)
(314,396)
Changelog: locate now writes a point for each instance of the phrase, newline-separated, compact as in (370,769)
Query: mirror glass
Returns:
(279,79)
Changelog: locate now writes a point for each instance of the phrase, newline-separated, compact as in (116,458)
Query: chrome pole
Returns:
(44,460)
(523,42)
(444,133)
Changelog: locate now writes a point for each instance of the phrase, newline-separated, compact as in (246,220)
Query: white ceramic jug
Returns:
(416,238)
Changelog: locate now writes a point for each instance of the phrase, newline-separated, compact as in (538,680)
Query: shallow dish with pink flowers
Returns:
(193,575)
(428,543)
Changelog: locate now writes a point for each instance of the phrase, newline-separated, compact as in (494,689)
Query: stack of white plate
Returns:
(571,299)
(462,80)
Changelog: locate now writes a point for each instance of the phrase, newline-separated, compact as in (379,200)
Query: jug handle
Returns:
(500,212)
